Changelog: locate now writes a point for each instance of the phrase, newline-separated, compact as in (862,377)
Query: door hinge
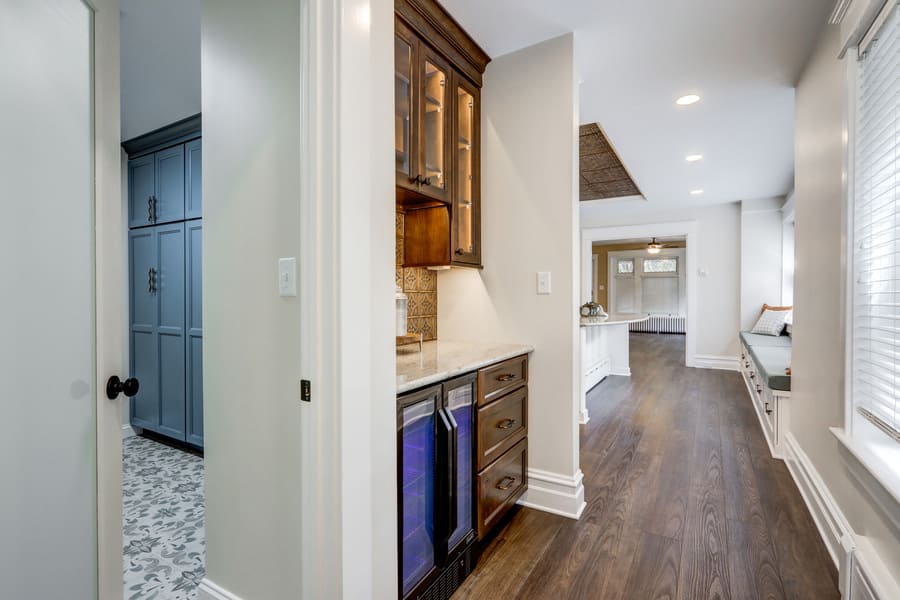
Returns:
(305,391)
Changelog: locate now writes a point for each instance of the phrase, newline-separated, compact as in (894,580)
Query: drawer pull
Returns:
(506,424)
(506,483)
(758,389)
(506,377)
(752,375)
(768,410)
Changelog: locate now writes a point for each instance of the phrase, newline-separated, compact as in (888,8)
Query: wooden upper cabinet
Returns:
(437,134)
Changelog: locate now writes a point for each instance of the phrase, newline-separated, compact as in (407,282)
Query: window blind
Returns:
(876,231)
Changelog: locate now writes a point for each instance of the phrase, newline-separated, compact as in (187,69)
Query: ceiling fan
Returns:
(654,247)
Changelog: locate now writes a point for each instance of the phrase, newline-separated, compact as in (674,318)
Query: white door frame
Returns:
(688,229)
(109,253)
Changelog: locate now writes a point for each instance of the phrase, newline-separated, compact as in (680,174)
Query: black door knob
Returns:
(115,386)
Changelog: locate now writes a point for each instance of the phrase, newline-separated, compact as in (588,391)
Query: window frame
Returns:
(626,274)
(675,273)
(875,462)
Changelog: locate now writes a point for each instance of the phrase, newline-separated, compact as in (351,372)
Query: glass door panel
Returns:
(460,402)
(403,73)
(465,173)
(434,100)
(417,491)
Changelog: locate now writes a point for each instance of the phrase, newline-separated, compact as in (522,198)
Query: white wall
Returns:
(160,63)
(817,398)
(529,220)
(718,252)
(251,345)
(300,497)
(761,263)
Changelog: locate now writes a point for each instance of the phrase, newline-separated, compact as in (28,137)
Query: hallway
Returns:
(683,501)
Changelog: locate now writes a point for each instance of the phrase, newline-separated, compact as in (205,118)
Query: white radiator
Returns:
(660,324)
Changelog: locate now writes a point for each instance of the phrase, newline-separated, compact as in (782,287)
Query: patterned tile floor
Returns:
(163,528)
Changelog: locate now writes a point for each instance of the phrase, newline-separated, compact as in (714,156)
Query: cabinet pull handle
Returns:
(768,410)
(506,377)
(149,209)
(150,280)
(426,181)
(758,389)
(155,216)
(506,424)
(460,251)
(752,375)
(416,179)
(506,483)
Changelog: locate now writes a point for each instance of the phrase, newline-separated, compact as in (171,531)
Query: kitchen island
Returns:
(604,351)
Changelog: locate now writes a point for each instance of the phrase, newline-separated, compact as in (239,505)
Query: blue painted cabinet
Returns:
(165,200)
(158,328)
(165,186)
(194,340)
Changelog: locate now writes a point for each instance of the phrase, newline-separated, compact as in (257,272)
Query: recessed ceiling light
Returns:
(696,192)
(687,100)
(693,157)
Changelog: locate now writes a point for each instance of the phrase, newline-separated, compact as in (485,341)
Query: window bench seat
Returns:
(764,361)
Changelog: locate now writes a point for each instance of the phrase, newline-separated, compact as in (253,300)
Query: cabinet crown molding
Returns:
(445,34)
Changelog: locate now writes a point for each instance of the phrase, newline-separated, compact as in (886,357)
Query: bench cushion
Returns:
(772,355)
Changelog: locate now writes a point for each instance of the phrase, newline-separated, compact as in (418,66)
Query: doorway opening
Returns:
(163,504)
(644,279)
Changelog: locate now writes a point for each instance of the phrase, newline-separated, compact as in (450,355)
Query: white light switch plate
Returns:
(543,282)
(287,276)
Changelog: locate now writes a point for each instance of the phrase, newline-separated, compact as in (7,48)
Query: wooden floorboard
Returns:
(683,501)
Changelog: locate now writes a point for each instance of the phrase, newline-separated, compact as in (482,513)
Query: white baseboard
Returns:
(621,372)
(127,431)
(583,416)
(555,493)
(722,363)
(207,590)
(832,525)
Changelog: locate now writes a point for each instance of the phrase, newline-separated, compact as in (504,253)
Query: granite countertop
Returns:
(617,319)
(440,360)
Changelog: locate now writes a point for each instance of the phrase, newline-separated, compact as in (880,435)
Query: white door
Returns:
(54,354)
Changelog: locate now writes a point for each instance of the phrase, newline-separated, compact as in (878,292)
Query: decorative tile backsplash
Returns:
(420,286)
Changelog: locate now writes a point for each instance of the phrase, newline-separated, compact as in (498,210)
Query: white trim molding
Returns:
(207,590)
(826,513)
(128,431)
(722,363)
(860,463)
(554,493)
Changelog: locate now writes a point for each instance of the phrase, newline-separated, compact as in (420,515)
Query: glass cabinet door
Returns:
(435,84)
(459,399)
(466,214)
(404,60)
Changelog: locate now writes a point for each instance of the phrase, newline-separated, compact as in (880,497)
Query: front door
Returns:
(61,327)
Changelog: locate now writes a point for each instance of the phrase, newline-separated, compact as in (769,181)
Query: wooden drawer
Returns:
(501,425)
(496,380)
(500,485)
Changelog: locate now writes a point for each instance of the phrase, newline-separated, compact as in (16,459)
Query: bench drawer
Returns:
(496,380)
(501,425)
(500,485)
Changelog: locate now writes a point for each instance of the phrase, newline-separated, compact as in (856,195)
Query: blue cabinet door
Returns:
(169,185)
(143,338)
(141,190)
(157,331)
(170,249)
(193,189)
(194,350)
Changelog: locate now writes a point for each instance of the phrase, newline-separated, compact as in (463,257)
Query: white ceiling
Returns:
(742,57)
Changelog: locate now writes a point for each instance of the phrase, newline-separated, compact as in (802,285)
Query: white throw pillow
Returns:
(771,322)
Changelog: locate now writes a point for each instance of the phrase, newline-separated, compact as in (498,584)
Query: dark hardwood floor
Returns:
(683,501)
